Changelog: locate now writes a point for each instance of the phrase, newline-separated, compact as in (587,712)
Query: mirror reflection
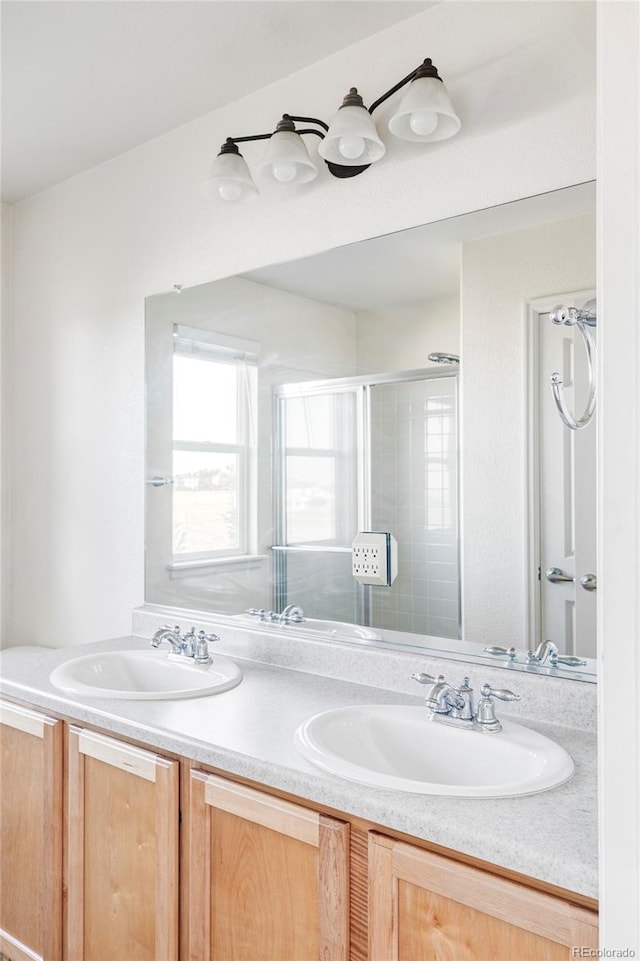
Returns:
(399,388)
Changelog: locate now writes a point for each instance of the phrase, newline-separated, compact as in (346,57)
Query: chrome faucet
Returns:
(547,651)
(454,705)
(192,646)
(291,615)
(171,635)
(262,614)
(442,698)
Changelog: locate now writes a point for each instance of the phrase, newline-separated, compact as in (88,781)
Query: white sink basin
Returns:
(318,626)
(393,746)
(143,675)
(337,629)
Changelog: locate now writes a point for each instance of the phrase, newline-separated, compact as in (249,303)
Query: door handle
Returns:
(556,576)
(589,582)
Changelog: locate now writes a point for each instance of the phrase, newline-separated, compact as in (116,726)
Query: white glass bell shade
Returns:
(286,160)
(352,138)
(229,181)
(425,113)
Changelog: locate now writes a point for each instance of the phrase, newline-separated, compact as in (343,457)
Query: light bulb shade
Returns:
(352,138)
(425,113)
(286,160)
(229,180)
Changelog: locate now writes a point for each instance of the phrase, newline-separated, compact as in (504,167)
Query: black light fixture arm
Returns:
(286,124)
(318,133)
(320,123)
(426,69)
(229,146)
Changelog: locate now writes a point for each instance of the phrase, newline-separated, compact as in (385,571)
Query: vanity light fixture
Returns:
(349,144)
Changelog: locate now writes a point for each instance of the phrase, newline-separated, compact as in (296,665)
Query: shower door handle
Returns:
(555,576)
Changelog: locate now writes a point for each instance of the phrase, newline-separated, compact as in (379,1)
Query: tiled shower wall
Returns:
(415,496)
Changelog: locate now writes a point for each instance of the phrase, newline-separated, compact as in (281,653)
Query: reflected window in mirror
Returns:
(320,448)
(213,412)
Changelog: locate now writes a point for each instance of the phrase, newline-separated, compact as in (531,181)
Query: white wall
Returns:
(89,251)
(402,337)
(5,309)
(499,275)
(619,472)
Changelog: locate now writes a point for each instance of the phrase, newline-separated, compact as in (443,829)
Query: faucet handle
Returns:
(509,652)
(567,660)
(202,655)
(427,678)
(503,695)
(486,715)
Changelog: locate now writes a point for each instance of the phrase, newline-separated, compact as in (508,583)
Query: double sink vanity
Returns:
(294,798)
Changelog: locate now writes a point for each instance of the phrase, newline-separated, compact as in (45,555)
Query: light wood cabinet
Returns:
(31,756)
(267,878)
(246,876)
(121,862)
(426,906)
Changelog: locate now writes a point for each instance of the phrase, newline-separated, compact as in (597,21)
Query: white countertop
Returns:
(248,731)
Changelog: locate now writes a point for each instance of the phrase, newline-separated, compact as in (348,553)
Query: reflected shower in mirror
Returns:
(386,386)
(372,453)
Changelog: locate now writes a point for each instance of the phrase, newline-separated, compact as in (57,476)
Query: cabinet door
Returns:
(267,878)
(122,852)
(31,841)
(425,906)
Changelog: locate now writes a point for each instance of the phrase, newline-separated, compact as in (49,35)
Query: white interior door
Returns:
(567,509)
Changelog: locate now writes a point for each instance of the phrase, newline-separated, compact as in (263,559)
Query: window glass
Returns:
(211,418)
(311,421)
(204,400)
(311,496)
(205,502)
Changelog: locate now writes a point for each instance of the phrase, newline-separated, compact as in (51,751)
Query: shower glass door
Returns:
(414,495)
(373,454)
(317,510)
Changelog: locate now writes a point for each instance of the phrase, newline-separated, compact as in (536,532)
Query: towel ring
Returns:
(583,320)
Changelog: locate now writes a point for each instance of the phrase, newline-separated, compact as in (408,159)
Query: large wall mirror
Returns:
(398,386)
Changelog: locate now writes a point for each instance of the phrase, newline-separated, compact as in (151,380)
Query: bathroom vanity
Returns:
(194,829)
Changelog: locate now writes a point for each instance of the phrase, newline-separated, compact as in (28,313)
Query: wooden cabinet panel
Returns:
(122,852)
(261,877)
(266,878)
(31,752)
(425,907)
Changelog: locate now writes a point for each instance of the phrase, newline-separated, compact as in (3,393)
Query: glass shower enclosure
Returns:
(371,453)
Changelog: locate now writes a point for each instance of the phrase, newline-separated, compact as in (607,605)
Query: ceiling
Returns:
(417,264)
(84,81)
